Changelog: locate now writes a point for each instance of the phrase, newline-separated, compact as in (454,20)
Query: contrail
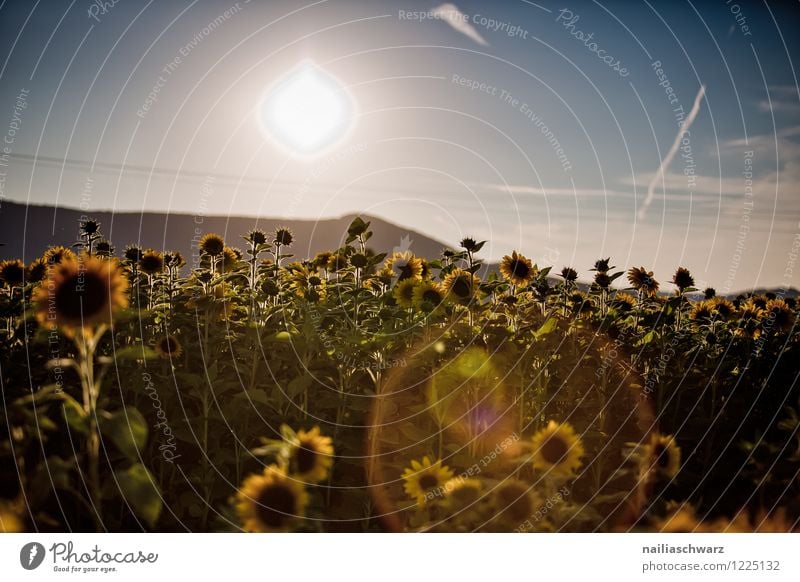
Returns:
(672,151)
(458,21)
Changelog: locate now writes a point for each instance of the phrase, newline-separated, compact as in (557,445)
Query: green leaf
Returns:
(298,385)
(138,488)
(127,429)
(546,328)
(135,353)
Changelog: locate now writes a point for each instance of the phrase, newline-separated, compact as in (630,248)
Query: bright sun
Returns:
(307,112)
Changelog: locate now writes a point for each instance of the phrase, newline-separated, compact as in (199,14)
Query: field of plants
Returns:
(252,390)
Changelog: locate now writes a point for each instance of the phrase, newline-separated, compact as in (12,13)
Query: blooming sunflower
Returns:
(623,302)
(270,501)
(81,292)
(569,274)
(663,454)
(37,271)
(779,315)
(721,307)
(405,265)
(58,253)
(750,315)
(642,280)
(151,262)
(283,237)
(702,310)
(311,456)
(404,292)
(424,479)
(513,502)
(460,285)
(517,269)
(682,279)
(462,492)
(212,244)
(12,272)
(169,347)
(428,296)
(557,448)
(229,259)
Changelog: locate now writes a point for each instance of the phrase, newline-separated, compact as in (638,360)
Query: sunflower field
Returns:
(358,390)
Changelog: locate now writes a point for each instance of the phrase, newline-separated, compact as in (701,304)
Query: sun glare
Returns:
(307,112)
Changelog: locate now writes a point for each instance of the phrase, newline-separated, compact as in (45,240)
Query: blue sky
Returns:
(552,153)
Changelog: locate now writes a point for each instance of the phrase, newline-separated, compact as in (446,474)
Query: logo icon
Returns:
(31,555)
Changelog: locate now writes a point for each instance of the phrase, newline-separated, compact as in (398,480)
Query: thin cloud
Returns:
(651,190)
(458,21)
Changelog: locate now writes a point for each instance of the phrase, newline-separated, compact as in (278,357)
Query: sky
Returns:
(547,127)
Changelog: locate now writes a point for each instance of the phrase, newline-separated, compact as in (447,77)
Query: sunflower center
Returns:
(305,458)
(662,455)
(405,271)
(276,505)
(428,482)
(83,294)
(432,296)
(554,449)
(520,269)
(461,287)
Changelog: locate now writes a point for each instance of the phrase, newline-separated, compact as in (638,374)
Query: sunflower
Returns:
(81,292)
(425,479)
(229,259)
(270,501)
(623,302)
(283,237)
(104,248)
(306,284)
(256,237)
(12,272)
(778,315)
(557,448)
(425,268)
(404,292)
(90,226)
(322,259)
(750,315)
(682,279)
(721,307)
(405,265)
(56,254)
(663,455)
(461,492)
(428,296)
(152,262)
(569,274)
(169,347)
(311,456)
(517,269)
(701,311)
(37,271)
(212,244)
(460,285)
(642,280)
(132,254)
(513,502)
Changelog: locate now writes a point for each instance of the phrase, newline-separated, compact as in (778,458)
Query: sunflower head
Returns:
(701,311)
(513,502)
(428,296)
(642,280)
(322,259)
(12,272)
(311,456)
(722,308)
(169,347)
(778,315)
(405,265)
(256,237)
(212,244)
(270,501)
(403,292)
(663,455)
(460,285)
(174,260)
(104,248)
(283,237)
(54,255)
(470,245)
(750,315)
(37,271)
(623,302)
(517,269)
(79,293)
(90,226)
(152,262)
(133,254)
(425,480)
(569,274)
(602,280)
(229,259)
(557,449)
(602,265)
(359,260)
(462,492)
(683,279)
(709,293)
